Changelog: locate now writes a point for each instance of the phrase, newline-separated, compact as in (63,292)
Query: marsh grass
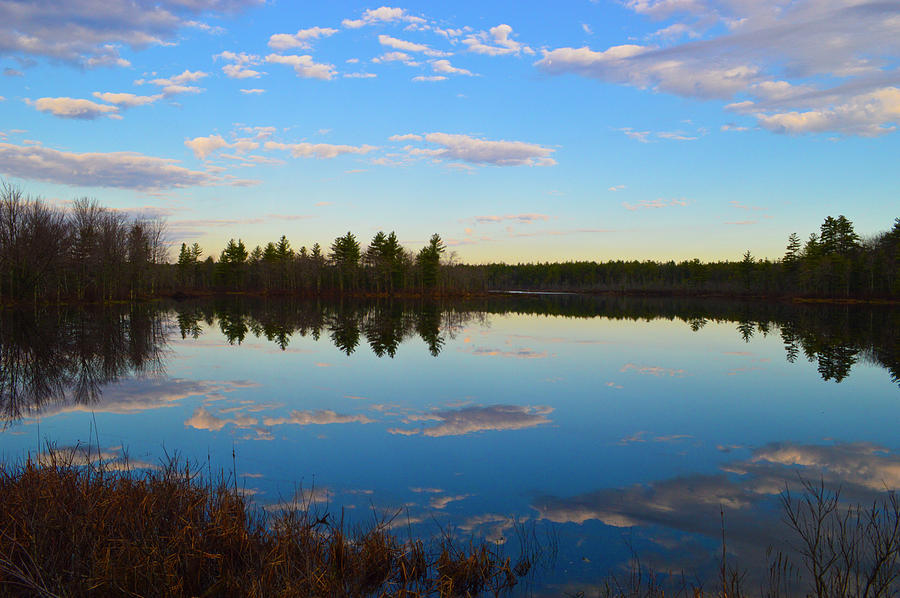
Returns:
(69,529)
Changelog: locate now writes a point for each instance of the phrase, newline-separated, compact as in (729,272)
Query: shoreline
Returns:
(193,294)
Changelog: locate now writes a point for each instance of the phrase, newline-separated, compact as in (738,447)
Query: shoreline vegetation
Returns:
(90,254)
(75,526)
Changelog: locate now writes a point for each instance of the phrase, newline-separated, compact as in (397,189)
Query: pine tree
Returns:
(429,260)
(793,249)
(345,255)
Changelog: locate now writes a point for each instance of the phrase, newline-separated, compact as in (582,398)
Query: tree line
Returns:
(83,252)
(90,253)
(383,267)
(834,263)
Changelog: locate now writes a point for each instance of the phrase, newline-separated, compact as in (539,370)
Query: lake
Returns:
(607,427)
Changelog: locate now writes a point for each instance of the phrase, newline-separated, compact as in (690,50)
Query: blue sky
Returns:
(519,131)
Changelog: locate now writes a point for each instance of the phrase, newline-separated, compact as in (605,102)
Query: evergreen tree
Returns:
(283,252)
(792,254)
(270,255)
(845,238)
(231,263)
(429,260)
(345,255)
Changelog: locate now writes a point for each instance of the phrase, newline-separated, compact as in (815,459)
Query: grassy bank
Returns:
(89,531)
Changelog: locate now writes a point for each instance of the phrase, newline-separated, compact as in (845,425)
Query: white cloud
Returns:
(124,170)
(185,76)
(72,108)
(171,90)
(496,42)
(522,218)
(396,57)
(203,146)
(428,78)
(239,63)
(649,136)
(867,115)
(616,188)
(318,150)
(92,32)
(252,91)
(407,46)
(655,204)
(259,132)
(406,137)
(483,151)
(444,66)
(237,71)
(450,33)
(800,67)
(643,67)
(587,29)
(663,9)
(360,75)
(176,84)
(301,39)
(304,66)
(384,14)
(128,100)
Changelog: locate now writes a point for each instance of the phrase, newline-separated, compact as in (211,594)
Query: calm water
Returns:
(608,423)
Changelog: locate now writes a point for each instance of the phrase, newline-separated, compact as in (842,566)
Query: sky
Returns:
(518,131)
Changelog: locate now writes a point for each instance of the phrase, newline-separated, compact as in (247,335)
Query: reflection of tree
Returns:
(67,356)
(746,329)
(428,326)
(345,332)
(233,325)
(835,361)
(790,338)
(385,328)
(385,324)
(835,337)
(189,323)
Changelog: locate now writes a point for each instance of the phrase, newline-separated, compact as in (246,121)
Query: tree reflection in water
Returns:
(66,355)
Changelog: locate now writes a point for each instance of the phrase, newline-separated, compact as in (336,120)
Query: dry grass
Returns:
(68,530)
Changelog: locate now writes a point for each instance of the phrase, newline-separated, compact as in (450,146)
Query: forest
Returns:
(87,252)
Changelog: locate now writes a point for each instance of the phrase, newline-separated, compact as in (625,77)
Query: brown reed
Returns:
(86,530)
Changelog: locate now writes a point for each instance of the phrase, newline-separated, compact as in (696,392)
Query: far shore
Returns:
(416,295)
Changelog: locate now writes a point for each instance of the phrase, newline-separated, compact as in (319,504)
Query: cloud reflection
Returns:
(470,419)
(745,488)
(317,417)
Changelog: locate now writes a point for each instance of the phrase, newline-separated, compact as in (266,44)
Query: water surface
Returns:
(614,424)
